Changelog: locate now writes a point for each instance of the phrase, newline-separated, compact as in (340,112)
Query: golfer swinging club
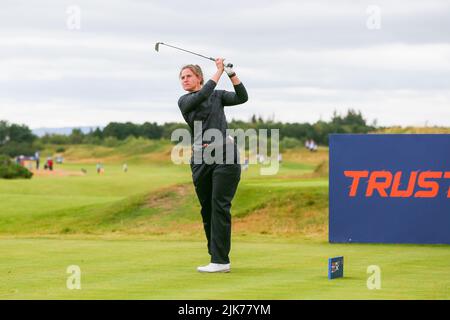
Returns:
(215,183)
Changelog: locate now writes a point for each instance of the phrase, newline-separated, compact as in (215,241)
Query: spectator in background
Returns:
(308,144)
(50,163)
(125,167)
(245,165)
(37,158)
(313,146)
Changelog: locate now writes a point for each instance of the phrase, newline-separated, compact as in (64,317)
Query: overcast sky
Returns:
(300,60)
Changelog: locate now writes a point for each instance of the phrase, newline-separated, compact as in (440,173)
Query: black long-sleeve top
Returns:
(207,106)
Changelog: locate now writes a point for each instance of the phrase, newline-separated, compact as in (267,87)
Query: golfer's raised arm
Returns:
(234,98)
(240,93)
(189,102)
(220,69)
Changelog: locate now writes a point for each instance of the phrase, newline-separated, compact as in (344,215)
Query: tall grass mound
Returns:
(322,170)
(115,151)
(413,130)
(11,170)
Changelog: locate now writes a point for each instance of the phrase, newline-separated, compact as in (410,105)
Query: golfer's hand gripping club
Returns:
(228,65)
(219,64)
(229,70)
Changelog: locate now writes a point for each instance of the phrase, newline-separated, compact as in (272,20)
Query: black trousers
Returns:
(216,185)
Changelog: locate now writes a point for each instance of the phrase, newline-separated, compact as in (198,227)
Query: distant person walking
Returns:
(37,159)
(311,145)
(215,184)
(99,168)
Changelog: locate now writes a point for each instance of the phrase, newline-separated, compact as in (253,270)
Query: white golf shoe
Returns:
(215,267)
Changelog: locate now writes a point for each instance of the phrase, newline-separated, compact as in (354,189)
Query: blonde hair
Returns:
(195,68)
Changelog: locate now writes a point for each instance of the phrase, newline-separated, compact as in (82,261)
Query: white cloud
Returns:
(393,107)
(301,59)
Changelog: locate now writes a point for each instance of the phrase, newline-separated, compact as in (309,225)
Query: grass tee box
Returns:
(390,188)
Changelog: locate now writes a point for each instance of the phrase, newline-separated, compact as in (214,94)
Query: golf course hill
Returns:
(156,197)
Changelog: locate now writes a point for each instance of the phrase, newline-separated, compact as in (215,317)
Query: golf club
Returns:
(197,54)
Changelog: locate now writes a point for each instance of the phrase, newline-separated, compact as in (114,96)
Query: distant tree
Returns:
(15,132)
(55,139)
(14,149)
(97,133)
(121,130)
(76,137)
(353,122)
(115,133)
(170,127)
(151,130)
(15,139)
(4,130)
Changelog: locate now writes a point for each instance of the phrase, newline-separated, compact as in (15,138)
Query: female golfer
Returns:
(215,183)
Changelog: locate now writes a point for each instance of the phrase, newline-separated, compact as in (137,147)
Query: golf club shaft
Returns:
(230,65)
(197,54)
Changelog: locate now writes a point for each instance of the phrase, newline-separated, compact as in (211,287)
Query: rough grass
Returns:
(416,130)
(131,150)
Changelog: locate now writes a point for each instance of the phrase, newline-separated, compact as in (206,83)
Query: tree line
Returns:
(18,139)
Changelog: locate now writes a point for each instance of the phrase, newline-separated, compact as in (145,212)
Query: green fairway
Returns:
(138,235)
(117,201)
(165,269)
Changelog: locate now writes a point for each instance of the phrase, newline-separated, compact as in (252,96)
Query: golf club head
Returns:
(157,46)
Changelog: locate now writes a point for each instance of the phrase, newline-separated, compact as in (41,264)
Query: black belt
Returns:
(204,145)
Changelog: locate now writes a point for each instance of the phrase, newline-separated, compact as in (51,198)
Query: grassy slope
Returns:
(154,196)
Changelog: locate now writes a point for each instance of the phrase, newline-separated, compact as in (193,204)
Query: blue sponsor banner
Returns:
(389,188)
